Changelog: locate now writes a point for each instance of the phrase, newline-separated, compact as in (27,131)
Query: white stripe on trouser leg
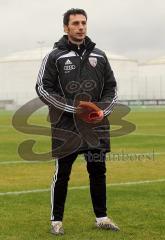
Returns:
(52,189)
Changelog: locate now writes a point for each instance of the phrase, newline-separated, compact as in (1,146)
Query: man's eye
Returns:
(76,23)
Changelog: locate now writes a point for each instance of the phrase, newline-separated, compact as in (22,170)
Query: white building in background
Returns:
(152,79)
(126,74)
(18,74)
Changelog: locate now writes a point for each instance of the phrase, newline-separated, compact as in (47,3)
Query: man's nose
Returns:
(81,26)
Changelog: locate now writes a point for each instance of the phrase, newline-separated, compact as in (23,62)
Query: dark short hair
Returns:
(72,11)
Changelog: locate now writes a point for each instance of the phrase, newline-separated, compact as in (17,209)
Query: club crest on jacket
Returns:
(93,61)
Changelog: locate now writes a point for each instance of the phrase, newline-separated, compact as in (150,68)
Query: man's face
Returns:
(76,28)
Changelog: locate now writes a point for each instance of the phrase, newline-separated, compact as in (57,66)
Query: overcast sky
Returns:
(133,28)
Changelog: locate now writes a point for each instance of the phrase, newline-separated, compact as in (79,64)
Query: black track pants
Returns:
(96,169)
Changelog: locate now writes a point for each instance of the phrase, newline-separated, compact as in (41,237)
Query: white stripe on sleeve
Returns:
(109,109)
(46,95)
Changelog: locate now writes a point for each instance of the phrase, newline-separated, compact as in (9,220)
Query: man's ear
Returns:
(65,28)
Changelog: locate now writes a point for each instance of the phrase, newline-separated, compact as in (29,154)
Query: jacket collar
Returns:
(64,44)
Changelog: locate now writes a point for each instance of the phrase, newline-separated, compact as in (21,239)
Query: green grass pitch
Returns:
(138,209)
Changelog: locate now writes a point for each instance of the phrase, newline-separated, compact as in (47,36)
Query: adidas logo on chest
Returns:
(68,62)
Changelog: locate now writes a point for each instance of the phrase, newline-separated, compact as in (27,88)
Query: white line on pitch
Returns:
(82,187)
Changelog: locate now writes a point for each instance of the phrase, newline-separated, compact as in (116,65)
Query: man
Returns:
(76,82)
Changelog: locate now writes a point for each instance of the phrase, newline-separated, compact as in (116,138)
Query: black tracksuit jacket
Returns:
(67,75)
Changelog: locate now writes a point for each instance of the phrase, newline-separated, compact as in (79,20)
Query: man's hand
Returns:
(89,112)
